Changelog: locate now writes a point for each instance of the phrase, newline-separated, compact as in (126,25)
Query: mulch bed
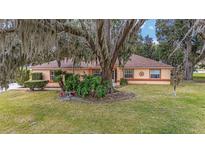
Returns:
(116,96)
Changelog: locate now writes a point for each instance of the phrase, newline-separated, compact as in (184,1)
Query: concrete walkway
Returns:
(12,86)
(45,89)
(15,86)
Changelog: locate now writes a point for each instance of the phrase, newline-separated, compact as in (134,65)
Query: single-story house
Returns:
(138,70)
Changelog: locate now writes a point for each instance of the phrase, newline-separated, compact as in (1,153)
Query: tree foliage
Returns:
(36,84)
(178,36)
(133,45)
(43,40)
(22,75)
(147,48)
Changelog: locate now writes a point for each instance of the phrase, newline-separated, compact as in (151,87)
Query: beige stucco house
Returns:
(138,70)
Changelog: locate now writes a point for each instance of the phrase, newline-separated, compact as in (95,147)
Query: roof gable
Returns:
(139,61)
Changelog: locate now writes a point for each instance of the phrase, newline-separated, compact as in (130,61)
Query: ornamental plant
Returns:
(123,82)
(72,82)
(32,84)
(92,86)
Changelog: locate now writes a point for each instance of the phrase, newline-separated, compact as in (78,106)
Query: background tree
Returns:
(22,75)
(147,48)
(17,47)
(132,46)
(170,33)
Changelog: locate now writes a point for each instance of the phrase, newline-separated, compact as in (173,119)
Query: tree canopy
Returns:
(181,43)
(43,40)
(26,42)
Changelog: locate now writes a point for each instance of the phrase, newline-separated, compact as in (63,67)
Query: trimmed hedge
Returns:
(123,82)
(32,84)
(36,76)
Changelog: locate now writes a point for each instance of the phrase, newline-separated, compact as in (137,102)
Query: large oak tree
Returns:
(41,40)
(105,38)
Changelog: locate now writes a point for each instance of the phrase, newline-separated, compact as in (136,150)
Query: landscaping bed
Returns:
(109,98)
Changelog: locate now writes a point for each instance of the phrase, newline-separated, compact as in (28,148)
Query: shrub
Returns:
(92,81)
(92,86)
(36,76)
(107,85)
(67,75)
(101,91)
(72,82)
(58,72)
(123,82)
(32,84)
(83,90)
(58,77)
(88,85)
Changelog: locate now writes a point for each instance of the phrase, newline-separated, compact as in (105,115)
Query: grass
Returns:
(200,77)
(153,110)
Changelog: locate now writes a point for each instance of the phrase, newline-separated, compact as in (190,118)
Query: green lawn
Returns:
(154,110)
(199,77)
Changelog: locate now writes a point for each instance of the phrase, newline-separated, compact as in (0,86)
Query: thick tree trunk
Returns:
(188,71)
(107,76)
(188,64)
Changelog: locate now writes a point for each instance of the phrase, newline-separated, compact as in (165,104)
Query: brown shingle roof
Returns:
(64,64)
(142,62)
(135,61)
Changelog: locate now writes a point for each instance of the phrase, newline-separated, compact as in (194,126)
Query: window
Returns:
(155,74)
(128,73)
(77,65)
(52,74)
(113,75)
(97,72)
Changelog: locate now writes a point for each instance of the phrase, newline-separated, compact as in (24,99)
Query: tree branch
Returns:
(201,56)
(99,26)
(74,31)
(185,36)
(88,37)
(81,33)
(131,26)
(101,41)
(108,33)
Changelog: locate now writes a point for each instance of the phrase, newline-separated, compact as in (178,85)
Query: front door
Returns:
(114,75)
